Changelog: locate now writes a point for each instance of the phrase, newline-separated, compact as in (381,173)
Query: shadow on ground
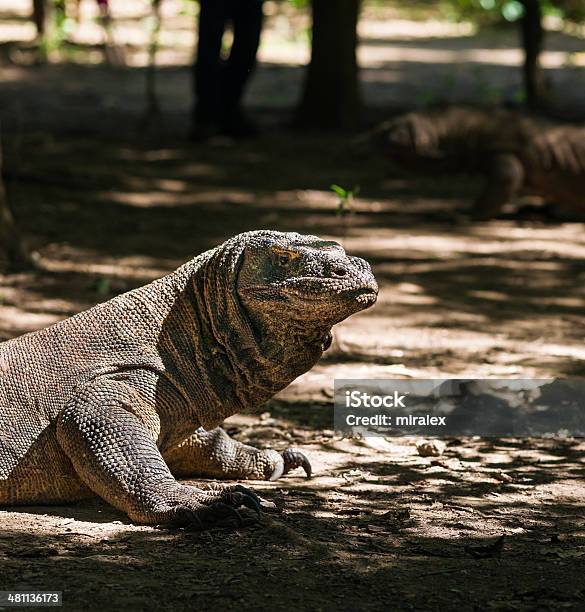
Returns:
(108,209)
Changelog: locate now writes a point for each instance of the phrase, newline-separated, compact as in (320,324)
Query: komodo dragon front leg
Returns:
(213,453)
(115,454)
(505,177)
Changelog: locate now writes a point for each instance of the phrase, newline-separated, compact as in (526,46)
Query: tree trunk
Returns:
(13,255)
(45,13)
(532,40)
(40,10)
(331,97)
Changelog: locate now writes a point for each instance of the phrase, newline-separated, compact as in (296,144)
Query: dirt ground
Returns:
(108,206)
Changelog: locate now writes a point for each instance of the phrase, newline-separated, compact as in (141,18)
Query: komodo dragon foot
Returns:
(115,455)
(214,454)
(222,510)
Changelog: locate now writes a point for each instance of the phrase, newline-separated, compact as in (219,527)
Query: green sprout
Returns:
(346,199)
(102,287)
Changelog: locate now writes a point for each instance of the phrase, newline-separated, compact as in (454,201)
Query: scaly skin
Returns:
(215,454)
(92,404)
(517,154)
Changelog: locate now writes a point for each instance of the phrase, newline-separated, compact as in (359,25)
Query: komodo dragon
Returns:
(517,154)
(97,402)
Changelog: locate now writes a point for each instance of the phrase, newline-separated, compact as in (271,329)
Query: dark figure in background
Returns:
(219,84)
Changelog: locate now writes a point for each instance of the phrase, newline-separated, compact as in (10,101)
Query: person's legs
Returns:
(246,16)
(207,74)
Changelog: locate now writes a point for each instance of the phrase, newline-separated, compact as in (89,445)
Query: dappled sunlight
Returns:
(424,61)
(396,28)
(372,57)
(176,197)
(108,199)
(116,269)
(454,296)
(447,244)
(15,321)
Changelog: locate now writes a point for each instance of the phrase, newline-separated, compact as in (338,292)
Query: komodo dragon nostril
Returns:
(339,272)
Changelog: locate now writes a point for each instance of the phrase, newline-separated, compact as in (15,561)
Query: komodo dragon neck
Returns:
(209,344)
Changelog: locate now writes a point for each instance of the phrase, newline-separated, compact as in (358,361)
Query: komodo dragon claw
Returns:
(218,514)
(241,496)
(249,493)
(294,459)
(222,513)
(254,502)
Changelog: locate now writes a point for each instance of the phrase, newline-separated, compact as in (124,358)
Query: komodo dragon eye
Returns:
(283,257)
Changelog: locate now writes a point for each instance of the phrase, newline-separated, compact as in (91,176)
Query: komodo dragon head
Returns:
(286,292)
(288,278)
(408,136)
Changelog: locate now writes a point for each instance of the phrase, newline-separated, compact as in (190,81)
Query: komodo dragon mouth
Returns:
(321,289)
(366,296)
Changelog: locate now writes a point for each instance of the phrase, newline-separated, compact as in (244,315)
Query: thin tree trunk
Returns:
(13,254)
(151,97)
(40,16)
(152,112)
(532,41)
(331,97)
(44,15)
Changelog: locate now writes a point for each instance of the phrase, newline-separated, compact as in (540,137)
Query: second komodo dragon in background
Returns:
(97,402)
(518,155)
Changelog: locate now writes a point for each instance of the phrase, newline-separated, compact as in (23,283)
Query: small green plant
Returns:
(519,97)
(346,199)
(345,204)
(102,287)
(428,97)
